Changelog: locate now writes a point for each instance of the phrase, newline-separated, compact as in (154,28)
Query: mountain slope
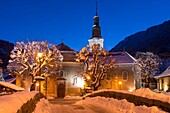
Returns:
(155,39)
(5,50)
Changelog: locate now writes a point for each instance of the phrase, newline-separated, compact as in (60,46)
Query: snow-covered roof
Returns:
(63,47)
(122,57)
(10,80)
(166,73)
(11,86)
(68,53)
(5,75)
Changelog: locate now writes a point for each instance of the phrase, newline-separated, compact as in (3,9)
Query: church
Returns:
(126,75)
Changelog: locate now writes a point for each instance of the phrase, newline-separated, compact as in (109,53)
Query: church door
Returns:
(61,90)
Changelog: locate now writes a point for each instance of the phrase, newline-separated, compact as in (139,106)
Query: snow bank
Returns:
(43,106)
(143,92)
(146,92)
(119,106)
(11,103)
(95,105)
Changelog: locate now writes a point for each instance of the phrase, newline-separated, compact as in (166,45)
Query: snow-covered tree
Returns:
(97,62)
(34,59)
(1,75)
(149,66)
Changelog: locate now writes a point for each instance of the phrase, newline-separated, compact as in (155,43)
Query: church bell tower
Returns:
(96,32)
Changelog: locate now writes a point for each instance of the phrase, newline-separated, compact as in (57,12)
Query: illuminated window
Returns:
(124,75)
(74,80)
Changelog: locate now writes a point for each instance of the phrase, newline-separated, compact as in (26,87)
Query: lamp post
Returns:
(120,83)
(46,86)
(40,57)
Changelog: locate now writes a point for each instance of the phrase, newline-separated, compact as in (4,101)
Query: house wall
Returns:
(116,80)
(51,86)
(74,81)
(164,83)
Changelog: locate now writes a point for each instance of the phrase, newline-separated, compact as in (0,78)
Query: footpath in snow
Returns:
(104,105)
(95,105)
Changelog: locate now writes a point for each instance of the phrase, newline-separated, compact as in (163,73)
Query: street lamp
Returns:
(46,86)
(39,55)
(120,83)
(88,77)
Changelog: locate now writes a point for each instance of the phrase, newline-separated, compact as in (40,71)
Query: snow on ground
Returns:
(43,106)
(72,97)
(146,92)
(119,106)
(95,105)
(11,103)
(143,92)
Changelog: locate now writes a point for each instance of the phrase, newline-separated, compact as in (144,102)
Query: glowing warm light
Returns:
(130,90)
(80,82)
(40,55)
(88,78)
(120,83)
(19,52)
(37,84)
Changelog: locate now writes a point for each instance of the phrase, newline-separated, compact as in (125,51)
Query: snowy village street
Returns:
(67,105)
(99,104)
(63,101)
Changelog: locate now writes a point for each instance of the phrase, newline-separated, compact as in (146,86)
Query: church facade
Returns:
(126,75)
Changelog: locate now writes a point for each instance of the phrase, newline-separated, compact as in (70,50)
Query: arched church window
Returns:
(74,80)
(124,75)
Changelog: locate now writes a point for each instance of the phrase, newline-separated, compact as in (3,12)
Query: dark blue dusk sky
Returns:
(72,20)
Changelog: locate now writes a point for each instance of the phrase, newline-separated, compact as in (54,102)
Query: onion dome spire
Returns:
(96,31)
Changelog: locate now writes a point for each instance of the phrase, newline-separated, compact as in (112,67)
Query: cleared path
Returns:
(60,105)
(62,101)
